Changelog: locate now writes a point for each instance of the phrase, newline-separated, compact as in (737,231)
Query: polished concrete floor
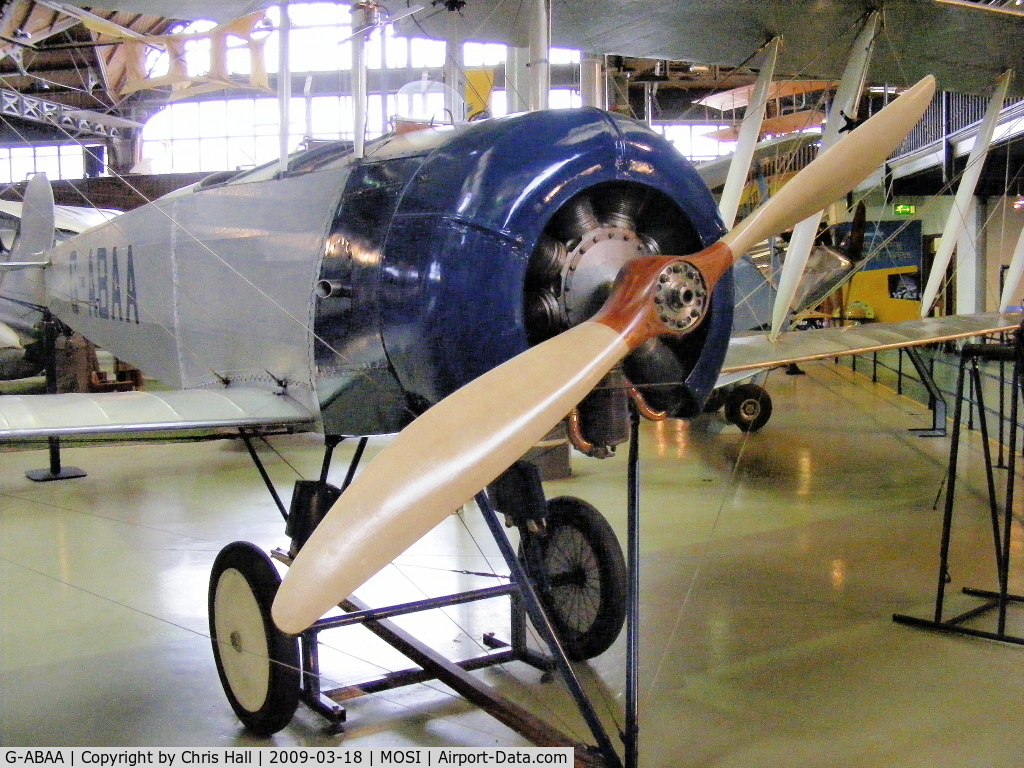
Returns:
(771,567)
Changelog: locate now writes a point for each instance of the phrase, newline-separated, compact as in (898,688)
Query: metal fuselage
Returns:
(373,288)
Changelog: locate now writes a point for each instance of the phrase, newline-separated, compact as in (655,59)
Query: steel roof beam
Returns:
(36,110)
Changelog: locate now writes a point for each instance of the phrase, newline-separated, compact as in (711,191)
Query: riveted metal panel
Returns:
(206,286)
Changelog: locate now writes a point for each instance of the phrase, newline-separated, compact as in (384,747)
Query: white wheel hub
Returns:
(244,652)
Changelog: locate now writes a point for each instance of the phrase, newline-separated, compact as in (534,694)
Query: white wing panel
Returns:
(9,337)
(33,416)
(749,353)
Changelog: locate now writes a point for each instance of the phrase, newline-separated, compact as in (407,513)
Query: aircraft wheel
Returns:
(257,663)
(749,407)
(583,583)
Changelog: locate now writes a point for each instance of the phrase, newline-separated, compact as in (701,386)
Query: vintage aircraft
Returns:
(381,287)
(421,282)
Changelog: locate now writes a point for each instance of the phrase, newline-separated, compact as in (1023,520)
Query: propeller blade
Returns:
(833,173)
(438,463)
(460,445)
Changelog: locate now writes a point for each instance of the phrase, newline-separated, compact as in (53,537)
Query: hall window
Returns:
(693,140)
(57,161)
(241,131)
(320,42)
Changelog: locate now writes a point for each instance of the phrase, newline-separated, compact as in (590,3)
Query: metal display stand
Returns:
(936,401)
(310,503)
(1001,519)
(55,471)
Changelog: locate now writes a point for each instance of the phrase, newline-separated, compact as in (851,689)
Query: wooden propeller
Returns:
(461,444)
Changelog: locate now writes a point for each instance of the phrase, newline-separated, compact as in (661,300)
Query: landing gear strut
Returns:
(569,579)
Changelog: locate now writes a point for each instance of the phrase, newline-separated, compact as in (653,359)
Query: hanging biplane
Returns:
(425,289)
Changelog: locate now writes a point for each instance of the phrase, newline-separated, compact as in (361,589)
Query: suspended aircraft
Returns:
(413,290)
(921,36)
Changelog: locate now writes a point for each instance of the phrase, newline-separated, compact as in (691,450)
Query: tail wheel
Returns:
(749,407)
(257,663)
(582,577)
(574,265)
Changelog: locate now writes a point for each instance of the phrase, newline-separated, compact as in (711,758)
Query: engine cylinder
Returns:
(604,413)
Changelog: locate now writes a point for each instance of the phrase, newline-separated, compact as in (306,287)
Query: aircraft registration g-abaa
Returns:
(423,289)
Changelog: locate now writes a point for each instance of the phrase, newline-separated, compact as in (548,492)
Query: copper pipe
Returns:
(645,410)
(579,442)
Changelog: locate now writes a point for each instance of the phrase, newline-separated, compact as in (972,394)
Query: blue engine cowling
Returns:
(443,246)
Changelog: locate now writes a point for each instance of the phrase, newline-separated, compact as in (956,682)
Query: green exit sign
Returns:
(900,209)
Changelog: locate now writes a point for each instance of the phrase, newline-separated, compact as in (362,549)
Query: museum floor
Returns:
(771,567)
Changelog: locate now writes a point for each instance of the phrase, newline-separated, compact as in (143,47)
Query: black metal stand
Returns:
(55,471)
(310,503)
(936,401)
(1001,518)
(431,664)
(632,734)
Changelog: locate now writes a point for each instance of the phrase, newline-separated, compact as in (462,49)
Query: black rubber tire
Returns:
(257,663)
(583,587)
(748,406)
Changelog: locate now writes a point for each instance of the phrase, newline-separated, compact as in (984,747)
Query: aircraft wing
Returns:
(714,172)
(219,11)
(755,352)
(70,218)
(25,417)
(966,46)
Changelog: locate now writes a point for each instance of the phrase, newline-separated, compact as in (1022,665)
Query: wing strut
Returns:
(749,132)
(957,218)
(846,100)
(1013,274)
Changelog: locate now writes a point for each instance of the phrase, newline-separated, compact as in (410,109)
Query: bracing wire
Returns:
(690,588)
(216,256)
(729,485)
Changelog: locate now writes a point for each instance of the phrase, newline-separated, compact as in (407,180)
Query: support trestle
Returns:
(518,495)
(936,401)
(432,665)
(55,471)
(1001,517)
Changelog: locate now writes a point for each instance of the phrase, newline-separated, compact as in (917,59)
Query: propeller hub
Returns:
(591,267)
(681,297)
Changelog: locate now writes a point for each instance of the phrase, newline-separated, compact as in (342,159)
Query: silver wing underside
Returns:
(221,10)
(966,48)
(756,352)
(24,417)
